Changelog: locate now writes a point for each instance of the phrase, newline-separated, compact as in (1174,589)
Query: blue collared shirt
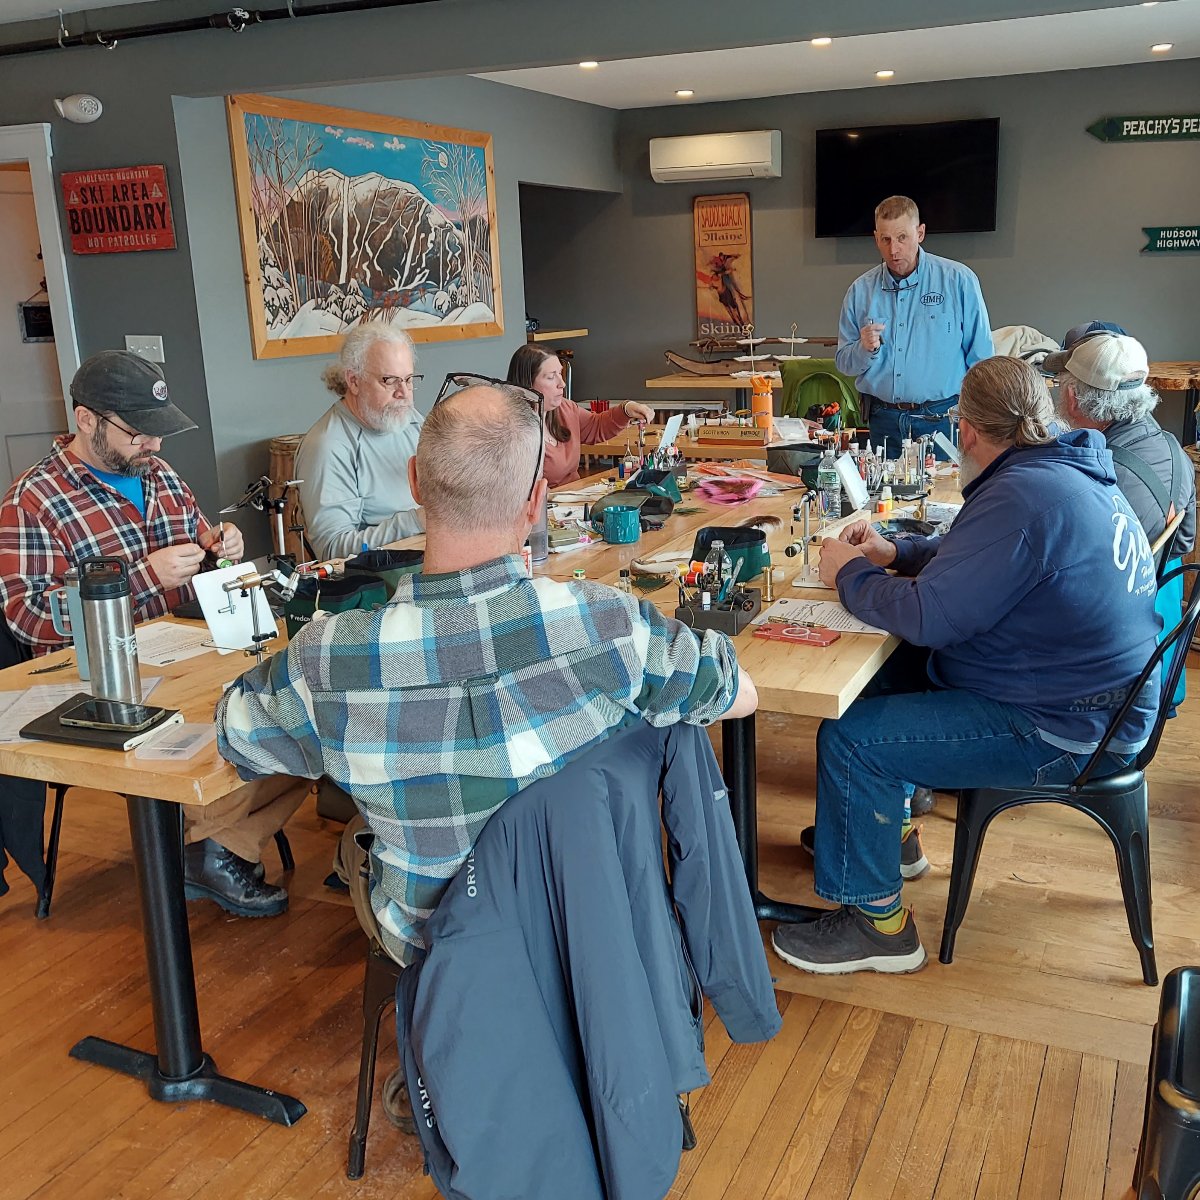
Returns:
(937,327)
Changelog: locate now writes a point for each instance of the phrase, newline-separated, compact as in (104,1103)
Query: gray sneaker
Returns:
(913,863)
(844,940)
(921,803)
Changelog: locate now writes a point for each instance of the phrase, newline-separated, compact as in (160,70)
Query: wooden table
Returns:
(686,380)
(615,447)
(154,791)
(1179,377)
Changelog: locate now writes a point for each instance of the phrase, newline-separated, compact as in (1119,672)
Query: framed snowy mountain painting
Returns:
(348,217)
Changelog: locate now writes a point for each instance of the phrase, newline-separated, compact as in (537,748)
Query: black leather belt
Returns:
(902,407)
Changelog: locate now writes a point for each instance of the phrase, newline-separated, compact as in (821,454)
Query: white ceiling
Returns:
(1063,41)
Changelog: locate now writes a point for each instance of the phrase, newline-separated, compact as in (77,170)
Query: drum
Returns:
(283,468)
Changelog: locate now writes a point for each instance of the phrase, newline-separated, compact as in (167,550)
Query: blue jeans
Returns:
(904,728)
(896,424)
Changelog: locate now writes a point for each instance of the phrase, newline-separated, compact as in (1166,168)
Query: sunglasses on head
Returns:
(457,381)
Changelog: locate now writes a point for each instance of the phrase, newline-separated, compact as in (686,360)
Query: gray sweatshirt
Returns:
(355,487)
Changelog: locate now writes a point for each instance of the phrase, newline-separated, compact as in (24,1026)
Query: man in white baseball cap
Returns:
(1102,385)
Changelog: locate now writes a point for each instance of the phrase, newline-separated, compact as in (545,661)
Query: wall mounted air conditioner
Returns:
(752,155)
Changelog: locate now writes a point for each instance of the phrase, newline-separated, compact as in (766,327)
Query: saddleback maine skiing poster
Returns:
(348,217)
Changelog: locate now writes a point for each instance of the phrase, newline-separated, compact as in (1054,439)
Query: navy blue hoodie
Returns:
(1040,595)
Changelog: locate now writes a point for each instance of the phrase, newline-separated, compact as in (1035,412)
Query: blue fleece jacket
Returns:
(1040,595)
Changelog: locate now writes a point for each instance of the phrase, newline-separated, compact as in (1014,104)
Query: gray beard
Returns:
(968,471)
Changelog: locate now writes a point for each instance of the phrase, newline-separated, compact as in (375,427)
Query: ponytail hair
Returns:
(1008,403)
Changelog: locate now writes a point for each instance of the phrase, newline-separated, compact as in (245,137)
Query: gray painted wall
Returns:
(536,138)
(1066,247)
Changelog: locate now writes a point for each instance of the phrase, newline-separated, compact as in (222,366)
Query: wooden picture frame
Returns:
(347,217)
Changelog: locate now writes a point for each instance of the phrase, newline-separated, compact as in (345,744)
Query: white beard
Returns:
(968,471)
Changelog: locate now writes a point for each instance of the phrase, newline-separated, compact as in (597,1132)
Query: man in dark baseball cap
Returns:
(105,490)
(128,386)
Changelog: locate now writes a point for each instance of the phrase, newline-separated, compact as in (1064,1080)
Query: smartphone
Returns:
(111,714)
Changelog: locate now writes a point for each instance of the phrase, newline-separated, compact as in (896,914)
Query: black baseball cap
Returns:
(129,386)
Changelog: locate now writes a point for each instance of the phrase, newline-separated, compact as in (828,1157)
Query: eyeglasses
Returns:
(135,439)
(397,383)
(456,381)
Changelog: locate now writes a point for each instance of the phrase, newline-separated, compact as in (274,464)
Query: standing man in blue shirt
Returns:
(910,329)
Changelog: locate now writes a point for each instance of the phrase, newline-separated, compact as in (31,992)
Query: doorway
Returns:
(35,374)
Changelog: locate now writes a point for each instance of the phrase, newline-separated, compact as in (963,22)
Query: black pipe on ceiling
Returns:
(235,20)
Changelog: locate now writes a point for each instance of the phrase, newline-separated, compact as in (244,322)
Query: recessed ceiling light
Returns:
(684,93)
(1149,3)
(852,133)
(590,65)
(1161,47)
(884,74)
(822,41)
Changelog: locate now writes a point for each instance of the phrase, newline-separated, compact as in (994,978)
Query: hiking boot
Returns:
(210,872)
(921,803)
(396,1104)
(845,940)
(913,863)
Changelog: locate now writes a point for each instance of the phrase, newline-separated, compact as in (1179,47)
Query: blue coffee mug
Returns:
(622,523)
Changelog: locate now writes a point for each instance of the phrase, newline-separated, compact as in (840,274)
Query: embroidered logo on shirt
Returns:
(933,298)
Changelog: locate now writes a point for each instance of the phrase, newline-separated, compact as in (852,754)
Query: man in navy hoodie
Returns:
(1037,612)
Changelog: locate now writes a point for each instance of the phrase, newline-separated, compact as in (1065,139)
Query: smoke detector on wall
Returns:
(80,108)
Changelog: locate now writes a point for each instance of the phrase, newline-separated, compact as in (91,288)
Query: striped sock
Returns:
(888,917)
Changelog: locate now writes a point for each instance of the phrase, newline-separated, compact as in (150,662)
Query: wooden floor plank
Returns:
(1016,1098)
(1129,1106)
(777,1128)
(847,1147)
(719,1160)
(1091,1127)
(799,1164)
(881,1165)
(978,1112)
(926,1147)
(1045,1159)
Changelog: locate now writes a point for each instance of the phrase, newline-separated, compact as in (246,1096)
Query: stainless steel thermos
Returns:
(108,620)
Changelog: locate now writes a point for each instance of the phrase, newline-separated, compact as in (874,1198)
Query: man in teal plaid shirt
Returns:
(474,680)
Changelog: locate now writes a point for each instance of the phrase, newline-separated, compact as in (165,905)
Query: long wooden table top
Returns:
(804,680)
(192,686)
(615,446)
(686,380)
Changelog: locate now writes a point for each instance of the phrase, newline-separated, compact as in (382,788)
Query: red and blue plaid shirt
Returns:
(59,513)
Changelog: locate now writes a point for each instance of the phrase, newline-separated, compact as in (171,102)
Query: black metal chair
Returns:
(1168,1161)
(1117,802)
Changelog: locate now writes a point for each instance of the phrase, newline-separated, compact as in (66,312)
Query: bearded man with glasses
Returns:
(106,491)
(353,463)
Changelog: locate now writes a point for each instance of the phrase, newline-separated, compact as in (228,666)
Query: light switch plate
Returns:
(148,345)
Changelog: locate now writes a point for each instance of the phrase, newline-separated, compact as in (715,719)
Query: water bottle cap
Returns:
(102,578)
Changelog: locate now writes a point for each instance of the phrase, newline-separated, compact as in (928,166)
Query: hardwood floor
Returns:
(1017,1072)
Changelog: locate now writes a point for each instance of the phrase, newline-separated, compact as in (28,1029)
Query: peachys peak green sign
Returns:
(1178,127)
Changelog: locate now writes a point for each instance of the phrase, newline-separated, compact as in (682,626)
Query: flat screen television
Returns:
(947,167)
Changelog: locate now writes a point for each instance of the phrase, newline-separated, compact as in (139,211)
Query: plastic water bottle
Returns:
(718,566)
(829,484)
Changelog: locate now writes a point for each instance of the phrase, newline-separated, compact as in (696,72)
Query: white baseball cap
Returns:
(1109,361)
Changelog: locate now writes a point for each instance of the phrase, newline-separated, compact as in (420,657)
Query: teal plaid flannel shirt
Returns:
(464,688)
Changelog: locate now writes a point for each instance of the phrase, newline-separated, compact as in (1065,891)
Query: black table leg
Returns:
(741,778)
(180,1070)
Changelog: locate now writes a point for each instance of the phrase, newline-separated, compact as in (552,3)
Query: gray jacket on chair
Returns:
(557,1011)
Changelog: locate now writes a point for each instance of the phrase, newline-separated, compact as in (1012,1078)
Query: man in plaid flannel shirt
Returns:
(474,680)
(105,491)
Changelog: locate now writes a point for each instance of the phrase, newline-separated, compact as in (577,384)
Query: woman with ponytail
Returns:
(567,425)
(1025,623)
